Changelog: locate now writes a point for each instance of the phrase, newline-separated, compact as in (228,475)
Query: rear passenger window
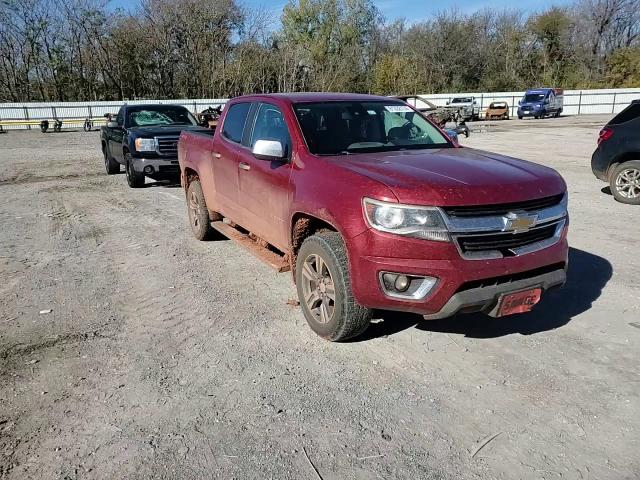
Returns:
(629,113)
(234,121)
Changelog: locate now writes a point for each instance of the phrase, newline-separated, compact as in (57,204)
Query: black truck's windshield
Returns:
(154,115)
(334,128)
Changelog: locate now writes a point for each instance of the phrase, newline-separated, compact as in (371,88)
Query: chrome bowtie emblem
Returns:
(518,222)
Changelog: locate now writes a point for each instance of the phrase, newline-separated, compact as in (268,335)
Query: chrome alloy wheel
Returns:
(195,210)
(318,288)
(628,183)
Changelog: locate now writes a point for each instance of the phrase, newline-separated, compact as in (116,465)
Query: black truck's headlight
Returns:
(407,220)
(145,144)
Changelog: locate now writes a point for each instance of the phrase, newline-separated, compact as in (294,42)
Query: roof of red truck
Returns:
(299,97)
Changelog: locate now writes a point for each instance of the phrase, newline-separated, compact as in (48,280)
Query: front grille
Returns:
(167,146)
(502,209)
(504,242)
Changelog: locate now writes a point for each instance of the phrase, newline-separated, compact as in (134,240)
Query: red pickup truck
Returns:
(372,206)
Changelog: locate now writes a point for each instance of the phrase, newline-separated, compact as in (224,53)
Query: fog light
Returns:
(389,279)
(402,283)
(407,287)
(148,169)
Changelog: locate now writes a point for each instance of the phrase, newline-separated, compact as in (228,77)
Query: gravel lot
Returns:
(164,357)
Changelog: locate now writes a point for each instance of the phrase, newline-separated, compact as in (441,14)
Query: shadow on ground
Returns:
(586,277)
(162,182)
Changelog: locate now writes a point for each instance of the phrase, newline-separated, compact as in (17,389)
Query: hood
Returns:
(455,176)
(158,131)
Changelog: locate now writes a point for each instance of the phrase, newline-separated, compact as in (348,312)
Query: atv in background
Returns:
(209,117)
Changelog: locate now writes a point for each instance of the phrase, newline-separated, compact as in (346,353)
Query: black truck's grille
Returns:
(504,242)
(167,146)
(502,209)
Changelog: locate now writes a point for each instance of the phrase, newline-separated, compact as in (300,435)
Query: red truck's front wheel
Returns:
(324,289)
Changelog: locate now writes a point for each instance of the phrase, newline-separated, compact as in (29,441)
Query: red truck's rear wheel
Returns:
(198,212)
(324,289)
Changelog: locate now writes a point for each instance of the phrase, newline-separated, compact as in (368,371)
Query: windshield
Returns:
(334,128)
(462,100)
(534,97)
(498,105)
(159,116)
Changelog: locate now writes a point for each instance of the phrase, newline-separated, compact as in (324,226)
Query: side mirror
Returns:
(112,124)
(268,150)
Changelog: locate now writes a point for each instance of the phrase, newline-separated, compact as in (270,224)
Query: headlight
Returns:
(564,204)
(407,220)
(145,144)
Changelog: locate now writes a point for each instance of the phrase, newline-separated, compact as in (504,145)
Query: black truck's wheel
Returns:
(198,212)
(134,179)
(324,289)
(110,165)
(625,182)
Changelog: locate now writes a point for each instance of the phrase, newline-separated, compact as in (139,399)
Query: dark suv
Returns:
(617,158)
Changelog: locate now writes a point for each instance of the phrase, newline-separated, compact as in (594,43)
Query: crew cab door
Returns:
(225,161)
(264,184)
(116,135)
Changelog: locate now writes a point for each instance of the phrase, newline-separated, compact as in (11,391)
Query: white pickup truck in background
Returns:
(466,107)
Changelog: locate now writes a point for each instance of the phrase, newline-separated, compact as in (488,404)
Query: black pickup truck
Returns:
(144,139)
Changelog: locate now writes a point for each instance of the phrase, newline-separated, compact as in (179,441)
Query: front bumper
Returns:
(530,113)
(160,165)
(454,273)
(486,298)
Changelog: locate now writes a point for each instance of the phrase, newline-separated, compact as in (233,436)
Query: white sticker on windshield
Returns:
(398,108)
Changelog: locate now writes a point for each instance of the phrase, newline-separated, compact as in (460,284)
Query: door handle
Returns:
(215,154)
(244,166)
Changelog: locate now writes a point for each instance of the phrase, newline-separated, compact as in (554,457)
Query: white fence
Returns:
(80,110)
(576,102)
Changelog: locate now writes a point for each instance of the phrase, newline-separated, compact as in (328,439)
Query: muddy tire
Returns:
(324,289)
(625,182)
(134,179)
(198,212)
(110,165)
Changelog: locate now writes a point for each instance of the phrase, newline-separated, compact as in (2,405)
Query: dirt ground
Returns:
(130,350)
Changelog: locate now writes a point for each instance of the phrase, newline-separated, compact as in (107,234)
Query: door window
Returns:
(120,117)
(235,120)
(271,125)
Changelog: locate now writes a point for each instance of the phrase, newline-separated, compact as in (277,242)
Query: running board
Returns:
(272,259)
